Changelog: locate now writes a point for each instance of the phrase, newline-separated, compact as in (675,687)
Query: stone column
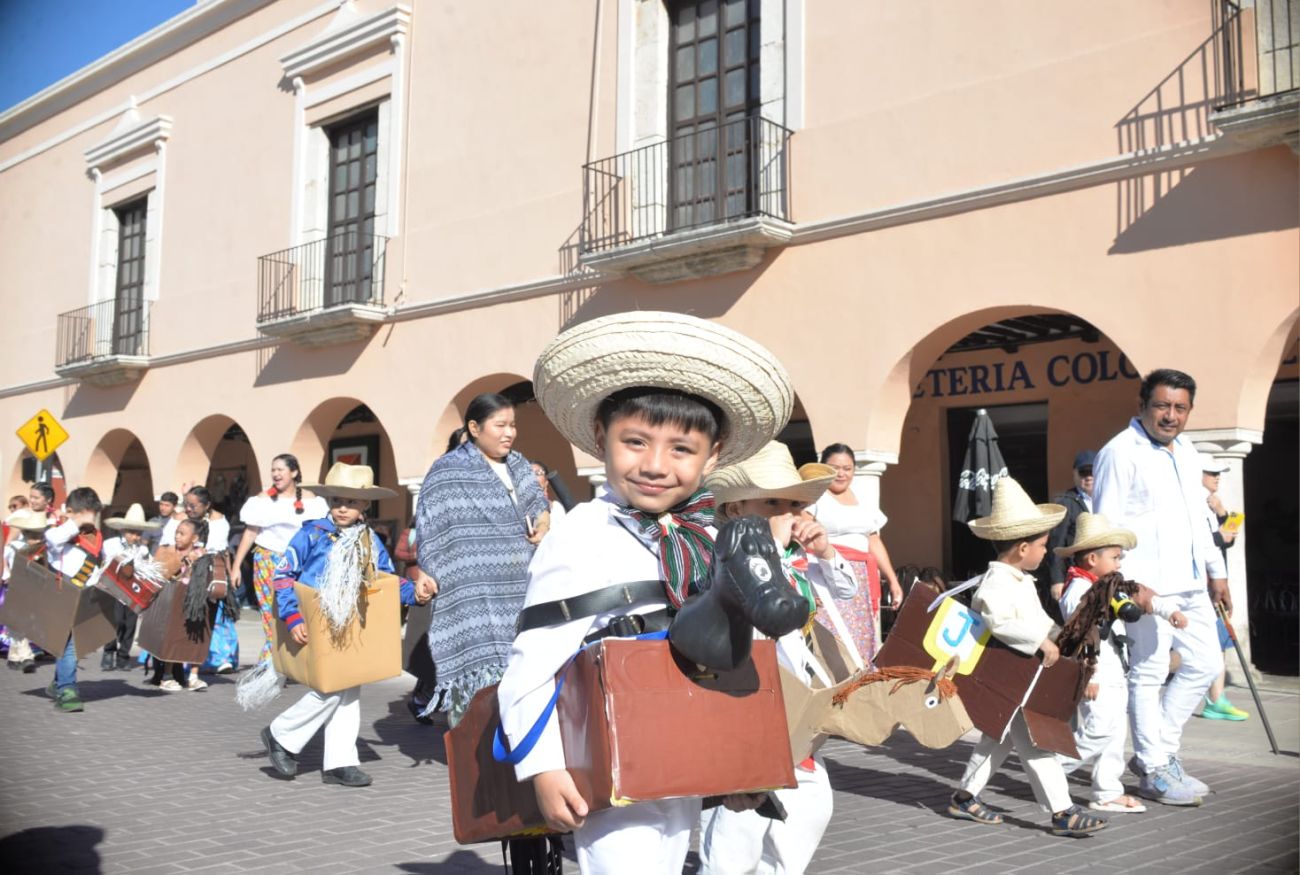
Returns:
(413,486)
(868,466)
(1232,445)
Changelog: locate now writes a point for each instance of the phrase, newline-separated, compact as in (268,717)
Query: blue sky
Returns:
(41,41)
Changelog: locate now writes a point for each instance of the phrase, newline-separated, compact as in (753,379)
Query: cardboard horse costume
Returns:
(45,608)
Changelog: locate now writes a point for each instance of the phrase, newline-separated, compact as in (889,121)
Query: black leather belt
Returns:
(631,625)
(590,604)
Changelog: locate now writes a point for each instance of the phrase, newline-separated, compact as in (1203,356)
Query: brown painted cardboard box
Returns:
(46,608)
(369,650)
(624,710)
(165,633)
(994,680)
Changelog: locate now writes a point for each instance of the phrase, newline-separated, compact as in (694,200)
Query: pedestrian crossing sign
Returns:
(42,434)
(957,631)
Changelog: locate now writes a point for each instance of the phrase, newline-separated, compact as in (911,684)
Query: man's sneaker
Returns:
(1221,709)
(281,760)
(68,700)
(348,776)
(1161,786)
(1200,788)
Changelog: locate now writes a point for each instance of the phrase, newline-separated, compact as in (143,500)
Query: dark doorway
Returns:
(713,97)
(1272,471)
(128,300)
(1022,437)
(354,171)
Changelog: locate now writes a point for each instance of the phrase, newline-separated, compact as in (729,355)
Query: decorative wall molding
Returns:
(345,36)
(126,140)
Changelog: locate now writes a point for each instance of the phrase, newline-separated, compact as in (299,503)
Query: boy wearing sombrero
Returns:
(769,486)
(1006,598)
(126,548)
(27,529)
(1102,722)
(660,399)
(331,555)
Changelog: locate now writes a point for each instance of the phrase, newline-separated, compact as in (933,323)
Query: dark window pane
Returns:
(734,89)
(734,13)
(734,48)
(708,17)
(685,63)
(708,56)
(708,102)
(685,103)
(685,23)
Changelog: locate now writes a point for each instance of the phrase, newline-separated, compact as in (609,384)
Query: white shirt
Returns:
(218,535)
(848,525)
(278,520)
(1109,668)
(1007,600)
(1159,496)
(11,551)
(63,555)
(503,472)
(591,551)
(115,548)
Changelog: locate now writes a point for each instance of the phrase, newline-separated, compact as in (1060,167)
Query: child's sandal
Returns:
(974,810)
(1075,821)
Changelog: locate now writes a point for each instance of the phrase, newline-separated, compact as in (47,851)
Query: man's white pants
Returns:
(646,838)
(1044,772)
(744,842)
(1099,736)
(339,713)
(1158,720)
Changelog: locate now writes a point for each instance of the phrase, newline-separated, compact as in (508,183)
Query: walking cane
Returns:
(1259,705)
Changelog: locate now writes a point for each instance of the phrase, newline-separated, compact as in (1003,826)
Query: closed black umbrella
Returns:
(981,469)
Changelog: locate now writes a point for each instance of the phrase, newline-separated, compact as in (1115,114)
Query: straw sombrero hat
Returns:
(134,521)
(769,473)
(591,361)
(350,481)
(28,520)
(1015,515)
(1093,531)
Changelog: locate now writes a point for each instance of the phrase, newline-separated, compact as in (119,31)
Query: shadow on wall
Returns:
(51,849)
(288,362)
(88,400)
(1227,197)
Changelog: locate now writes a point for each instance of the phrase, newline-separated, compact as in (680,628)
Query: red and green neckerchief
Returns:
(685,544)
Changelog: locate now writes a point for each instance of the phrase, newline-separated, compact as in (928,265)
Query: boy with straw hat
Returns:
(660,399)
(335,556)
(1006,598)
(768,486)
(1102,721)
(127,548)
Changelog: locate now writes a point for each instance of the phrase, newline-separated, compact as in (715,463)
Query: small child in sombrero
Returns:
(660,399)
(768,485)
(1006,598)
(1101,725)
(332,555)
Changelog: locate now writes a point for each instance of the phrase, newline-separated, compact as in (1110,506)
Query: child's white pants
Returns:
(646,838)
(19,649)
(744,842)
(1157,711)
(339,713)
(1041,767)
(1102,726)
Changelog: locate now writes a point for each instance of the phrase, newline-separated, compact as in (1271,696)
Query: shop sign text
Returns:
(1061,370)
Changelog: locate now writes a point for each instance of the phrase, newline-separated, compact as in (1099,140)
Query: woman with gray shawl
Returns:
(480,517)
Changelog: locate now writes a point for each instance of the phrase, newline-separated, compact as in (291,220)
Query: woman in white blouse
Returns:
(271,519)
(853,526)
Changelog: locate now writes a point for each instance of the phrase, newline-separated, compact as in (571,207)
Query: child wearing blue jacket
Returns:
(331,555)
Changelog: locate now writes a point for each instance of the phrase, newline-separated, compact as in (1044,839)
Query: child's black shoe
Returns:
(348,776)
(281,760)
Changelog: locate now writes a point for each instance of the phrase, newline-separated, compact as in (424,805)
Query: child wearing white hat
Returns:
(126,548)
(1101,726)
(661,399)
(1007,601)
(768,485)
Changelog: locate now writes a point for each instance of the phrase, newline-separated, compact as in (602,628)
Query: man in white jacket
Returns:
(1148,480)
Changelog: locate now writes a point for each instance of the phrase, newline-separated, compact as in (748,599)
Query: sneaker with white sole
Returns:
(1197,786)
(170,686)
(1161,786)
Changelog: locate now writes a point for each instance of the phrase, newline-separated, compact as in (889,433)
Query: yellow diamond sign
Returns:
(42,434)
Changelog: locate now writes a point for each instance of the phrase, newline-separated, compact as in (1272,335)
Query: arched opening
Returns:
(347,430)
(1272,532)
(119,471)
(217,454)
(798,435)
(27,470)
(1053,384)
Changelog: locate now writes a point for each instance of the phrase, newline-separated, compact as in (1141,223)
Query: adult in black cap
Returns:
(1077,499)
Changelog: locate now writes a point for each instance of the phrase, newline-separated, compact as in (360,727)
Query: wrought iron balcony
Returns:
(699,203)
(106,343)
(326,291)
(1260,93)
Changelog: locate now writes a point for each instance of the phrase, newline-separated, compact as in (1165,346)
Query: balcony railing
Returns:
(1263,63)
(109,329)
(346,268)
(739,169)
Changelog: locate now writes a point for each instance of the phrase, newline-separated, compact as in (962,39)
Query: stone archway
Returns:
(218,454)
(119,471)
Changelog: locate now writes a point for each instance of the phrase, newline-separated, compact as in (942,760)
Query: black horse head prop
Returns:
(747,590)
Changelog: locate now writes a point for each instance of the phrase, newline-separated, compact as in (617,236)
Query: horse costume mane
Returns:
(901,675)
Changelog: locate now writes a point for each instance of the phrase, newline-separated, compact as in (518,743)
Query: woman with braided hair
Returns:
(1094,635)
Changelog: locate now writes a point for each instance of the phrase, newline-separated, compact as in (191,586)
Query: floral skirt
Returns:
(862,612)
(264,562)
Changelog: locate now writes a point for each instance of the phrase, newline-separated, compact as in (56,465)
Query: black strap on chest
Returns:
(590,604)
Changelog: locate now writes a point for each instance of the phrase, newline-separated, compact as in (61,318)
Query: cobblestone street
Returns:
(151,782)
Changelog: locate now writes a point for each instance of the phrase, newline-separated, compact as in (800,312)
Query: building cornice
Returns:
(336,44)
(118,145)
